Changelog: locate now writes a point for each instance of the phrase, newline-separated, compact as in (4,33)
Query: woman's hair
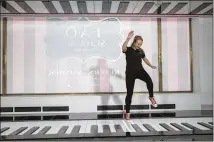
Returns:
(137,37)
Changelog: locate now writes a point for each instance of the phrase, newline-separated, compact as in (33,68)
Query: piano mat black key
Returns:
(31,131)
(93,132)
(94,129)
(119,131)
(205,125)
(137,128)
(150,129)
(182,129)
(196,130)
(118,128)
(44,130)
(75,131)
(18,131)
(62,130)
(4,129)
(140,132)
(106,130)
(170,130)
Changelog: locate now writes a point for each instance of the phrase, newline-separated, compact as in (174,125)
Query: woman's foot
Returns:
(127,116)
(153,101)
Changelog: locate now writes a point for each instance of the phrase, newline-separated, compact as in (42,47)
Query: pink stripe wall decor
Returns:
(18,55)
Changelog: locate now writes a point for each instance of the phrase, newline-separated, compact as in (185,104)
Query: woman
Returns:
(135,70)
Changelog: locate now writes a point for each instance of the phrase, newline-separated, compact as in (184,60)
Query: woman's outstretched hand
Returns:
(153,67)
(130,35)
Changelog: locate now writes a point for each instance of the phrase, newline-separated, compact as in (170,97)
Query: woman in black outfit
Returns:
(135,70)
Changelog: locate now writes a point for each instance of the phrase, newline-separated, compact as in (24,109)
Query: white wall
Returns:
(202,67)
(202,51)
(89,103)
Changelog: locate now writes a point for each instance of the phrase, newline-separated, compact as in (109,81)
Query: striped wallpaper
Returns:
(175,54)
(1,58)
(31,71)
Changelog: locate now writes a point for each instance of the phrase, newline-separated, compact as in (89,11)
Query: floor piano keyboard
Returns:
(105,128)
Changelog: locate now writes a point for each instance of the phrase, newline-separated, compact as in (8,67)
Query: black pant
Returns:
(130,81)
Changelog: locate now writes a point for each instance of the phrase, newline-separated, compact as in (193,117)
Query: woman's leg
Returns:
(130,81)
(144,76)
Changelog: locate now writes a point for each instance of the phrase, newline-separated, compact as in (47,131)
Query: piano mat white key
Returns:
(128,125)
(112,128)
(7,124)
(100,124)
(13,124)
(83,124)
(174,120)
(89,125)
(124,126)
(111,125)
(129,121)
(109,122)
